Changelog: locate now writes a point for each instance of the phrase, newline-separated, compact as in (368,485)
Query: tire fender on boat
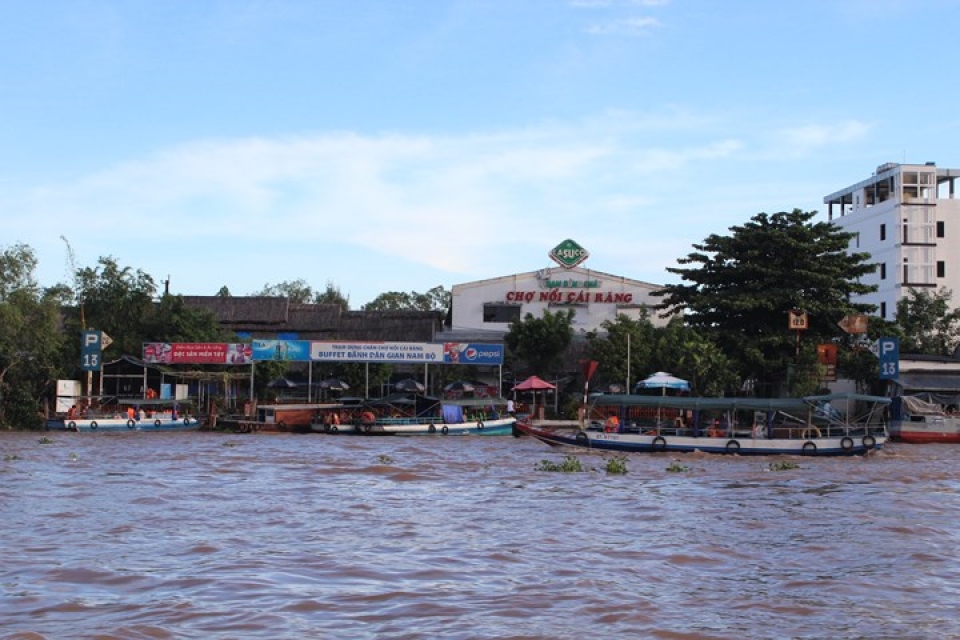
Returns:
(432,429)
(444,430)
(582,439)
(809,448)
(281,426)
(847,443)
(94,425)
(72,426)
(332,429)
(869,442)
(659,443)
(480,425)
(733,446)
(131,424)
(157,422)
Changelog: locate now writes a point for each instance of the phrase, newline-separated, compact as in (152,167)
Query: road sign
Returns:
(888,350)
(91,344)
(855,323)
(797,320)
(105,340)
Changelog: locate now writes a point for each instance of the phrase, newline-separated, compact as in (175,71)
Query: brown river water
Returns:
(212,535)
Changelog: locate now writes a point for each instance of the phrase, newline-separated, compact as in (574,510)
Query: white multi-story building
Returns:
(907,217)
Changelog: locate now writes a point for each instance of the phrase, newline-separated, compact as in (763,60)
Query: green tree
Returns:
(739,289)
(614,343)
(295,290)
(30,339)
(118,301)
(436,299)
(173,321)
(928,324)
(539,343)
(333,295)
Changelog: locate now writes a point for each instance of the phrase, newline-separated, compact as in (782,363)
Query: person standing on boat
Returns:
(510,408)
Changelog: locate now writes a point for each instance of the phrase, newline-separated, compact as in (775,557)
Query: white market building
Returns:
(907,217)
(486,307)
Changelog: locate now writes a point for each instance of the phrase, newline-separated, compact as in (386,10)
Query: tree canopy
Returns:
(436,299)
(738,289)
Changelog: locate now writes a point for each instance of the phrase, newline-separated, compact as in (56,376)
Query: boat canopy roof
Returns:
(730,404)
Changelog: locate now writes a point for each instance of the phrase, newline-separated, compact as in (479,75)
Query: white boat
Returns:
(811,425)
(463,416)
(920,420)
(130,414)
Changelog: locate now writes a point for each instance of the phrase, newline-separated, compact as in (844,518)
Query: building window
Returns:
(883,310)
(883,232)
(941,229)
(883,270)
(503,313)
(941,269)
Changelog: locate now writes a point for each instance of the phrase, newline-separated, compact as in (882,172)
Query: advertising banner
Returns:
(400,352)
(472,353)
(288,350)
(197,353)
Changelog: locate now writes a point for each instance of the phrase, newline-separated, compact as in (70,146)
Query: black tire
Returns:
(281,426)
(444,430)
(480,425)
(186,422)
(72,426)
(432,429)
(846,444)
(332,429)
(809,448)
(733,446)
(659,444)
(157,423)
(582,439)
(131,424)
(94,425)
(869,442)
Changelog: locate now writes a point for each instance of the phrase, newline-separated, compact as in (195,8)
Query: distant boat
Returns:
(112,414)
(809,426)
(462,416)
(918,420)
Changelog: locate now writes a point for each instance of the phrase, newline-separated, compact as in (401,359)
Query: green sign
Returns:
(568,254)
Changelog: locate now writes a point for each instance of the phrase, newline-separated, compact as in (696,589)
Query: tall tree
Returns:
(117,300)
(30,338)
(929,325)
(740,288)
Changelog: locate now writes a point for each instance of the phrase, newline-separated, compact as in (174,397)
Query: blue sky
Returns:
(389,145)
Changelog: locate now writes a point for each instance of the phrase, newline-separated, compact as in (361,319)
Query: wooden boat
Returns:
(747,426)
(919,420)
(129,414)
(463,416)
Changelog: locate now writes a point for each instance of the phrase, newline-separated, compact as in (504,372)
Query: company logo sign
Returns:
(568,254)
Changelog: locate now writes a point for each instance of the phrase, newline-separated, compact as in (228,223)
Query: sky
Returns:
(385,145)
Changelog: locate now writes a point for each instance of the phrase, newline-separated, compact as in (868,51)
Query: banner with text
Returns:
(400,352)
(197,353)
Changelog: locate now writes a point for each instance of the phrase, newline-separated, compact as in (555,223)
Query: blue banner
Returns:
(288,350)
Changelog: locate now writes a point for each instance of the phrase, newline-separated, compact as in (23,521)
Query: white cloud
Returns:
(821,135)
(626,26)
